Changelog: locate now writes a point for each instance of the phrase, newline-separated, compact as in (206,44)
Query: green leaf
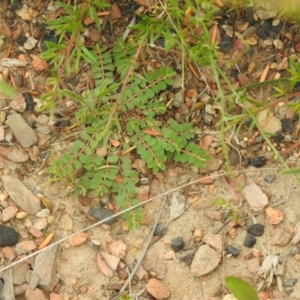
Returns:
(293,171)
(241,289)
(113,158)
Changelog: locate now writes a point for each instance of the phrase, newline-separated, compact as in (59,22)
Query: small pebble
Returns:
(290,282)
(234,251)
(249,241)
(288,138)
(256,229)
(159,230)
(248,122)
(287,124)
(257,161)
(8,236)
(270,178)
(259,139)
(177,244)
(101,214)
(226,43)
(278,137)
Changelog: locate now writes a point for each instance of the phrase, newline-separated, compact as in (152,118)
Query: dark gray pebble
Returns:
(226,43)
(234,251)
(159,230)
(259,139)
(290,282)
(8,236)
(249,241)
(177,244)
(249,15)
(264,29)
(270,178)
(256,229)
(257,161)
(278,137)
(101,214)
(274,30)
(287,124)
(188,256)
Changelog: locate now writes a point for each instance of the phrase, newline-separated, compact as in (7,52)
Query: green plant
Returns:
(102,154)
(124,115)
(241,289)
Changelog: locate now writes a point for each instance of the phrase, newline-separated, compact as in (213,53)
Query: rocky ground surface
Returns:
(211,225)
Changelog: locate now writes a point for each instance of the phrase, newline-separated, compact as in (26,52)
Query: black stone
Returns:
(8,236)
(159,230)
(249,241)
(21,40)
(62,123)
(177,244)
(256,229)
(287,124)
(234,251)
(278,137)
(249,15)
(234,73)
(290,282)
(270,178)
(48,37)
(188,256)
(226,43)
(296,117)
(257,161)
(274,31)
(296,87)
(101,214)
(263,31)
(29,101)
(248,122)
(16,5)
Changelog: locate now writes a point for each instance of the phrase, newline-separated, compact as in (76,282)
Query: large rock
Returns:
(23,197)
(23,133)
(205,261)
(45,267)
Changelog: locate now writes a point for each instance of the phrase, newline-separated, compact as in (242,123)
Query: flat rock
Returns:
(111,260)
(54,296)
(9,253)
(269,123)
(35,294)
(23,133)
(9,213)
(256,198)
(157,289)
(205,261)
(78,239)
(25,247)
(214,240)
(19,272)
(40,223)
(18,156)
(117,248)
(8,236)
(104,267)
(23,197)
(45,267)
